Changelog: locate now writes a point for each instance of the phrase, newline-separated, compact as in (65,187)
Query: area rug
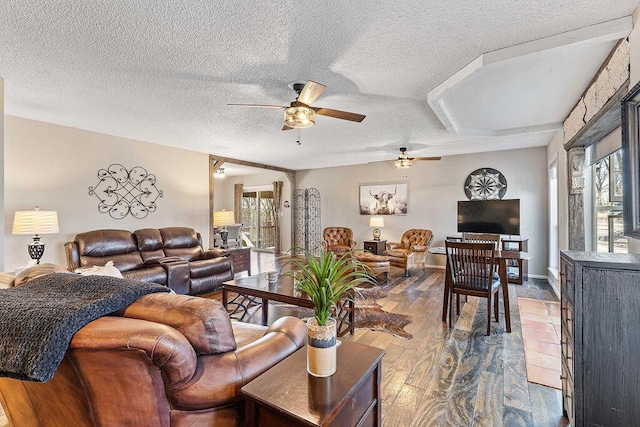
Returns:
(370,315)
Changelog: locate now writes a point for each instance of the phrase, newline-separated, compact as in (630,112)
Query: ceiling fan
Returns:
(404,162)
(299,114)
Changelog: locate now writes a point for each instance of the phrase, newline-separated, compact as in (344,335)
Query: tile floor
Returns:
(541,337)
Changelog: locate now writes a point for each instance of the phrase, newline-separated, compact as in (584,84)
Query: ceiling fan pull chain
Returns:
(298,137)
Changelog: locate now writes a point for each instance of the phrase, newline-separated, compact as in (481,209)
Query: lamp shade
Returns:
(376,221)
(223,218)
(35,222)
(299,117)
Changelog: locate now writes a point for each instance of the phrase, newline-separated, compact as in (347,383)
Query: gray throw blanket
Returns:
(39,318)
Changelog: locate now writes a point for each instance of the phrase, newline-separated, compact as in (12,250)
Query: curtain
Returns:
(237,202)
(277,202)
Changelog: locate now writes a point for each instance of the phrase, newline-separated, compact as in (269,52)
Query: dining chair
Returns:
(471,267)
(482,238)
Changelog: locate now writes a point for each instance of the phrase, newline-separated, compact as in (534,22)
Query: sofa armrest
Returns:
(222,375)
(353,244)
(282,338)
(418,248)
(214,253)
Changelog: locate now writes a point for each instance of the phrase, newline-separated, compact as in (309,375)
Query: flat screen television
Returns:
(489,216)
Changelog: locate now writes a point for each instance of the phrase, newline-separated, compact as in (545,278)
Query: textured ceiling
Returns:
(164,71)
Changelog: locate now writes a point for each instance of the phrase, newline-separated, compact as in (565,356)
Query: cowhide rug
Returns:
(370,315)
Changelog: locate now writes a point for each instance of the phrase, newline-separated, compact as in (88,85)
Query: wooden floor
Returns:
(458,376)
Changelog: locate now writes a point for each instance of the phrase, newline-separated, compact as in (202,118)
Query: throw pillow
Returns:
(6,280)
(108,270)
(38,271)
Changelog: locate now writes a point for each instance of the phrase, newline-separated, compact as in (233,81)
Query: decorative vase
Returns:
(321,348)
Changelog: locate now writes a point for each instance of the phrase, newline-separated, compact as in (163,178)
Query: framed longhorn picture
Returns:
(384,199)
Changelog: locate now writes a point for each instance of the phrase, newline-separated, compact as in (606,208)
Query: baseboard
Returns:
(438,267)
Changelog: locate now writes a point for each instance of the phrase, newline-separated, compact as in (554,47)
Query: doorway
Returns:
(258,217)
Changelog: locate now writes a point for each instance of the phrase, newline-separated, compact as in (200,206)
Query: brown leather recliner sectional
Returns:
(166,360)
(171,256)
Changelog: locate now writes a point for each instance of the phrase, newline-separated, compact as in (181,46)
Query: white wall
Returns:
(224,194)
(53,166)
(434,189)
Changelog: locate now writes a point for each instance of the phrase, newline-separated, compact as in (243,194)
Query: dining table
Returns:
(503,257)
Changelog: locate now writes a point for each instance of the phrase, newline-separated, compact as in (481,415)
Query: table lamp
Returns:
(35,222)
(376,222)
(222,219)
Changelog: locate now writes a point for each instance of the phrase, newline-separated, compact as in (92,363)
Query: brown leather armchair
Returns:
(338,240)
(171,256)
(411,251)
(166,360)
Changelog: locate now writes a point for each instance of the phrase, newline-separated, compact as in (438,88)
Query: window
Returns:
(607,196)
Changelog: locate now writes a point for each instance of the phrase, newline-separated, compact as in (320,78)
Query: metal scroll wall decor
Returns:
(307,220)
(121,192)
(485,184)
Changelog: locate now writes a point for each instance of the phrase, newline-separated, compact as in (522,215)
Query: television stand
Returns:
(517,270)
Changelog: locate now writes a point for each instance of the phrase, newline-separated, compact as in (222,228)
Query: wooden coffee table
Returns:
(256,290)
(287,395)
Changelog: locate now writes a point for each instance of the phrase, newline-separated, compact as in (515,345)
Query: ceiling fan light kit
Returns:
(299,117)
(403,163)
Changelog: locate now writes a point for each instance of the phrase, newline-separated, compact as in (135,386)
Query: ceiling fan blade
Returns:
(344,115)
(426,158)
(259,105)
(285,127)
(310,92)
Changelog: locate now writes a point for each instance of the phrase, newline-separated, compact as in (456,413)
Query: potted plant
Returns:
(327,280)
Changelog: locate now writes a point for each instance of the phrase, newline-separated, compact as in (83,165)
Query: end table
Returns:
(376,247)
(241,259)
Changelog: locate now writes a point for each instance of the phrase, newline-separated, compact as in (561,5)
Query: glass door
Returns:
(258,216)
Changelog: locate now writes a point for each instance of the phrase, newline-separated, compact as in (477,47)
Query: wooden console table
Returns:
(287,395)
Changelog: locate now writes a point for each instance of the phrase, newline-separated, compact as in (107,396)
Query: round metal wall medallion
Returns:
(485,184)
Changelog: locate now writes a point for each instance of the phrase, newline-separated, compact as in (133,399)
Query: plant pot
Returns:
(321,348)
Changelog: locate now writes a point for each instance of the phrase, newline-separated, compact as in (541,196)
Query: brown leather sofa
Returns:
(166,360)
(411,251)
(170,256)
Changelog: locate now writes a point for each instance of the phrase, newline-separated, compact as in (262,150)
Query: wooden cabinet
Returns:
(376,247)
(600,321)
(517,270)
(241,259)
